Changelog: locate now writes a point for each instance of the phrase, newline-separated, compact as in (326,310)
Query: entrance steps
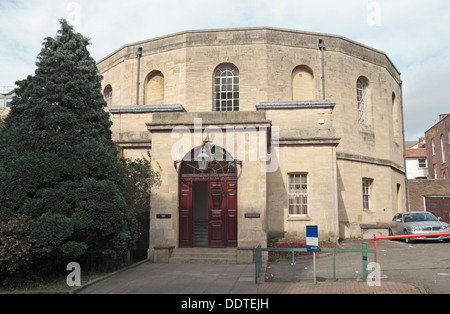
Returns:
(201,233)
(200,255)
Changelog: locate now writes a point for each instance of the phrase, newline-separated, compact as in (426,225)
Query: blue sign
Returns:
(312,238)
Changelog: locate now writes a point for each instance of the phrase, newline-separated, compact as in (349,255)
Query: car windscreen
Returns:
(419,217)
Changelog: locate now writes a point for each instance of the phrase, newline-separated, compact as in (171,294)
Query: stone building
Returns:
(259,132)
(6,95)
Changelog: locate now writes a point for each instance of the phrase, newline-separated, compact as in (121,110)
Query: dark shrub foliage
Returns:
(61,183)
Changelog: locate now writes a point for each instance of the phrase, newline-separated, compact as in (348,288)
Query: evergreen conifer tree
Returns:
(58,164)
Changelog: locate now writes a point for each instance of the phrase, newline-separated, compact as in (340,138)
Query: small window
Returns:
(366,192)
(433,147)
(298,194)
(442,149)
(435,171)
(422,163)
(226,88)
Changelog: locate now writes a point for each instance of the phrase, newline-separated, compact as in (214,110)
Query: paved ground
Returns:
(149,278)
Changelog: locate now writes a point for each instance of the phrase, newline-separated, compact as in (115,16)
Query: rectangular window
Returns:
(366,191)
(433,148)
(298,194)
(422,163)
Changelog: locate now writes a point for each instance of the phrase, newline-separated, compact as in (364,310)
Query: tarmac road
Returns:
(423,264)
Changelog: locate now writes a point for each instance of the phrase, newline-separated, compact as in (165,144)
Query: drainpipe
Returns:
(139,54)
(403,145)
(322,49)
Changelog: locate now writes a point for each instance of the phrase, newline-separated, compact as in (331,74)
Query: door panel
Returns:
(217,217)
(186,233)
(231,213)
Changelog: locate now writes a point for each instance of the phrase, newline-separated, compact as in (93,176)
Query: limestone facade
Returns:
(297,102)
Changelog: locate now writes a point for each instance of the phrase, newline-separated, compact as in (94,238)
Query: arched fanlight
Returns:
(208,159)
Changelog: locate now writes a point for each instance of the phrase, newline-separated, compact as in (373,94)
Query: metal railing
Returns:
(259,262)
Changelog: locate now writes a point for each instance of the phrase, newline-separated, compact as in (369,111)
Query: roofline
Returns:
(249,29)
(448,115)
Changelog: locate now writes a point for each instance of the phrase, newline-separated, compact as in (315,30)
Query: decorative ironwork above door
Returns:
(208,159)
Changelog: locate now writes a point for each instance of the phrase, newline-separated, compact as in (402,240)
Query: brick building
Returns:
(438,153)
(259,132)
(430,195)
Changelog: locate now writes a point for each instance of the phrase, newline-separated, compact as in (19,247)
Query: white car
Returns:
(419,222)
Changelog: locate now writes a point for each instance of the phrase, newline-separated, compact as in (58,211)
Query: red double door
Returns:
(221,211)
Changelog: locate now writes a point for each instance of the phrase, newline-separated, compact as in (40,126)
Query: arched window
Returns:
(226,88)
(302,83)
(395,118)
(108,95)
(363,105)
(154,88)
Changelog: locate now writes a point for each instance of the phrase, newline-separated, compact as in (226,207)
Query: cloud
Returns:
(425,90)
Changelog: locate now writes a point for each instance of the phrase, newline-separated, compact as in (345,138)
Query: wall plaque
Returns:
(163,216)
(252,215)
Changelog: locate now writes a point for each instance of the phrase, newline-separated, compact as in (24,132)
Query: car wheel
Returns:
(390,232)
(407,240)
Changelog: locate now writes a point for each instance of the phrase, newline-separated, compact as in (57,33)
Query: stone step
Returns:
(200,233)
(203,256)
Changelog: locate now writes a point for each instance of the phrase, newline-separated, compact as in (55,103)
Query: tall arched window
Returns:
(226,88)
(395,118)
(108,95)
(302,83)
(154,88)
(363,105)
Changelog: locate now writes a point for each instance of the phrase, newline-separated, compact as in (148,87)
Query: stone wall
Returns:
(320,137)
